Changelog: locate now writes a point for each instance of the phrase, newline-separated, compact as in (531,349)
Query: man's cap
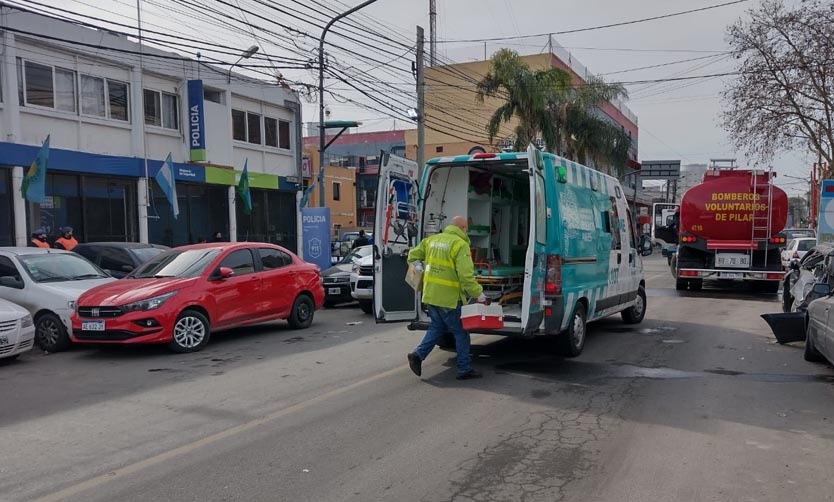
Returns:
(66,229)
(39,231)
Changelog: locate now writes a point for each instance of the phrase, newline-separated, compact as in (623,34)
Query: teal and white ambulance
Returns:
(553,241)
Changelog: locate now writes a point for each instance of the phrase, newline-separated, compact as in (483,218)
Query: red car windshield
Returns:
(174,263)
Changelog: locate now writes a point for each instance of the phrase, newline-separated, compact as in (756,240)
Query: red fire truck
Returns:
(730,228)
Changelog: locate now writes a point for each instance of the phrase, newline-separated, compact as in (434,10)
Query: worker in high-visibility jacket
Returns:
(448,282)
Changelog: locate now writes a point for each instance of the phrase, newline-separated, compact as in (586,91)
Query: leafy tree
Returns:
(782,98)
(545,102)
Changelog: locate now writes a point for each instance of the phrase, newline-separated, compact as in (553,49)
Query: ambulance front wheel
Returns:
(571,341)
(636,313)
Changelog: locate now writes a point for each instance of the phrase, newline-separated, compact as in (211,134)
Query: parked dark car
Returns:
(118,258)
(337,278)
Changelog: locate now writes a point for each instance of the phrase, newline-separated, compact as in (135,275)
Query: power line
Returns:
(600,27)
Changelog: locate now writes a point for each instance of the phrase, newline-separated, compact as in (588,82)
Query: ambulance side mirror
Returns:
(645,245)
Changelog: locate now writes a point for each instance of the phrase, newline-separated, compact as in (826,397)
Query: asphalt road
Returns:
(698,403)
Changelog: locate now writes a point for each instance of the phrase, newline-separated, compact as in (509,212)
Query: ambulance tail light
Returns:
(553,275)
(689,273)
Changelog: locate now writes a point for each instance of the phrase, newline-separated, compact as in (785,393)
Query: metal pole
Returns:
(432,32)
(321,92)
(144,227)
(421,103)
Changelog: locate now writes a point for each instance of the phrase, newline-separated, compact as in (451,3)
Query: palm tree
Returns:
(545,102)
(586,132)
(527,96)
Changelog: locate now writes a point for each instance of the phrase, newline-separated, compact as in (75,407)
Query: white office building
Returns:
(113,112)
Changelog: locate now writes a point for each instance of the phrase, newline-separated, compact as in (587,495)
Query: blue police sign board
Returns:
(196,121)
(825,219)
(315,231)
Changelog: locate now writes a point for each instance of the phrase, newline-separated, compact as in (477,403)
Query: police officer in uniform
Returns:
(38,239)
(448,282)
(66,240)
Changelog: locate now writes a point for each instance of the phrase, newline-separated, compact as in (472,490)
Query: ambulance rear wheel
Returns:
(636,313)
(570,342)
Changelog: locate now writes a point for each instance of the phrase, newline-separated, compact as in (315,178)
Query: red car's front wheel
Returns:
(191,332)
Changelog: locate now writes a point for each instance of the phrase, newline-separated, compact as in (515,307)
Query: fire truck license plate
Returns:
(732,260)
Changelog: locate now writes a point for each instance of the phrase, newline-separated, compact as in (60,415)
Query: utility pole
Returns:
(550,43)
(432,32)
(421,102)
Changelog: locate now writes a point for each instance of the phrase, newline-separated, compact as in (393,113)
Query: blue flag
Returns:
(33,187)
(165,180)
(243,189)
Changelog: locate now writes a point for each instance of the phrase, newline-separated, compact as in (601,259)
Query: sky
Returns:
(677,120)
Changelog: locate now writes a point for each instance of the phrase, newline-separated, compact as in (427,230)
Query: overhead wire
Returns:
(599,27)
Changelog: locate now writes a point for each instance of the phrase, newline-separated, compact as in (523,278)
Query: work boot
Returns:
(469,375)
(415,363)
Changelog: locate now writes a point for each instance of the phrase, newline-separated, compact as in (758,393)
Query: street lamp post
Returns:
(322,146)
(248,53)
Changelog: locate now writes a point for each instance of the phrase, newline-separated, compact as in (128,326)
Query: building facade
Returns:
(113,112)
(456,121)
(361,151)
(339,194)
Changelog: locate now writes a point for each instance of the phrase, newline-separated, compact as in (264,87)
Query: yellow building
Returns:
(456,121)
(339,193)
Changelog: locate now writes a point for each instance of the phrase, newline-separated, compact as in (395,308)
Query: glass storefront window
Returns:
(273,219)
(204,210)
(62,206)
(108,205)
(97,208)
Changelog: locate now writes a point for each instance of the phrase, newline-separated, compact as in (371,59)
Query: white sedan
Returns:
(47,282)
(17,330)
(796,249)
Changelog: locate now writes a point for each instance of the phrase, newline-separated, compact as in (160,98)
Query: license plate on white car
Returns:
(732,260)
(92,326)
(730,275)
(334,291)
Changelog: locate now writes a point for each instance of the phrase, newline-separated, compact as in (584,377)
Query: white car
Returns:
(796,249)
(17,330)
(47,282)
(362,283)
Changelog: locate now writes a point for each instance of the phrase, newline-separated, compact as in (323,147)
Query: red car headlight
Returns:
(148,304)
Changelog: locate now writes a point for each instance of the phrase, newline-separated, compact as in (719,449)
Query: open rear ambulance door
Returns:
(535,263)
(395,233)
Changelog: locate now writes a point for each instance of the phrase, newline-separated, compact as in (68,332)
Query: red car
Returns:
(180,296)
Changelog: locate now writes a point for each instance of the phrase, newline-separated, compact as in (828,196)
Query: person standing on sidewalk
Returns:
(39,239)
(66,240)
(448,281)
